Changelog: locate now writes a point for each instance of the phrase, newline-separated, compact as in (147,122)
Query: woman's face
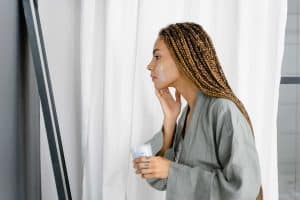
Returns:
(163,69)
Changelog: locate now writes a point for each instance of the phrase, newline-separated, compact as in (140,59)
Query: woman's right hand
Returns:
(171,107)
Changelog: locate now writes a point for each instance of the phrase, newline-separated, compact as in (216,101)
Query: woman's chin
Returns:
(159,86)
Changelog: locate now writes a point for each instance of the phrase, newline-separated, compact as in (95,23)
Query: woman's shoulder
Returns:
(223,107)
(226,113)
(219,104)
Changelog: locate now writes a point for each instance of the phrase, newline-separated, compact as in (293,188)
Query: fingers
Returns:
(177,96)
(144,171)
(142,159)
(161,92)
(142,162)
(165,91)
(142,165)
(151,175)
(157,92)
(145,166)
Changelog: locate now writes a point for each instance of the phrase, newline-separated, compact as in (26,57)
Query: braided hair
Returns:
(194,54)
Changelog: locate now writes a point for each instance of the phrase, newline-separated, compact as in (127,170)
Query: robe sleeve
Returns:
(156,143)
(237,178)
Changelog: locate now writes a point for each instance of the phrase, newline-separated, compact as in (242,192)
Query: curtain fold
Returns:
(118,105)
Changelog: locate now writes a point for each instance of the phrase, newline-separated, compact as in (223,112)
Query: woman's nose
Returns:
(149,67)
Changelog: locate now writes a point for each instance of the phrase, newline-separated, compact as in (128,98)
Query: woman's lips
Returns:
(153,77)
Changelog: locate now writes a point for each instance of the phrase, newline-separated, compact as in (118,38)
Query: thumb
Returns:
(157,93)
(177,96)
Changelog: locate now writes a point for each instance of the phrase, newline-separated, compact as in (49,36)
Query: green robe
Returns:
(217,157)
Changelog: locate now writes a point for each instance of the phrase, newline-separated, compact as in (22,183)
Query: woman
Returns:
(210,153)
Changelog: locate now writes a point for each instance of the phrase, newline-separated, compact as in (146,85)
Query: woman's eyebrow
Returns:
(154,50)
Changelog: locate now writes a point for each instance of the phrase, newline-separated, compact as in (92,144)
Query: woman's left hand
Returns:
(152,167)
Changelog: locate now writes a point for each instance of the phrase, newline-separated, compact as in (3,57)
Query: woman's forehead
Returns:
(159,45)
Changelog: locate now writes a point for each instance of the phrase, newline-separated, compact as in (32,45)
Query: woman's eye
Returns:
(157,57)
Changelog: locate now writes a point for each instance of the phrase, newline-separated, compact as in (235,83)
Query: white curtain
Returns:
(118,108)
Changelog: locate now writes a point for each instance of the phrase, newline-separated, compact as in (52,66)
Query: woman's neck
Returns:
(188,90)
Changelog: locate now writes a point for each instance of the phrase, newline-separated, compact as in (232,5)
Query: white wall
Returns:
(289,110)
(9,95)
(61,27)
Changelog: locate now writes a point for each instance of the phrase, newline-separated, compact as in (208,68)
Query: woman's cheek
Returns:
(160,74)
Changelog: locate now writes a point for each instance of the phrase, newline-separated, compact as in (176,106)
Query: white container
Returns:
(144,150)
